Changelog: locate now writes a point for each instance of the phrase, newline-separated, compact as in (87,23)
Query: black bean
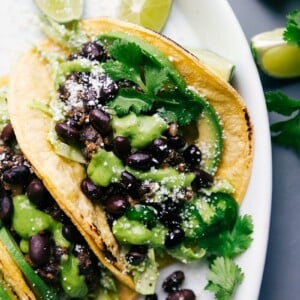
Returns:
(37,193)
(7,134)
(176,142)
(121,146)
(159,149)
(100,120)
(16,175)
(136,255)
(174,237)
(130,183)
(108,89)
(92,191)
(169,218)
(70,232)
(117,204)
(89,98)
(74,56)
(173,281)
(140,160)
(93,51)
(192,155)
(202,180)
(6,208)
(39,249)
(183,294)
(67,133)
(151,297)
(143,189)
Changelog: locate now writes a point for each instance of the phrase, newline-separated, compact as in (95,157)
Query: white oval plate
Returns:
(198,24)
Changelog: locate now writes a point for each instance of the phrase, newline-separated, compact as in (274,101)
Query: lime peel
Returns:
(62,11)
(274,56)
(151,14)
(220,65)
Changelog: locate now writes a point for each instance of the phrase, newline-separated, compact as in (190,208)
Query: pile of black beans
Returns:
(44,255)
(89,127)
(171,285)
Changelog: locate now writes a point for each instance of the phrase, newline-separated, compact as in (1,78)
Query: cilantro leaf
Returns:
(235,242)
(158,79)
(183,106)
(131,100)
(223,278)
(292,31)
(281,103)
(118,70)
(287,133)
(127,53)
(155,78)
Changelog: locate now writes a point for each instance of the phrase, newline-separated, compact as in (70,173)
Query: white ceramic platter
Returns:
(193,23)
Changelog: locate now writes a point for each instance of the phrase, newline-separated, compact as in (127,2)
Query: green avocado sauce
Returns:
(140,130)
(105,167)
(133,232)
(27,221)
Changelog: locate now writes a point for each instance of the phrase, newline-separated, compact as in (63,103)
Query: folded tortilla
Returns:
(32,80)
(11,274)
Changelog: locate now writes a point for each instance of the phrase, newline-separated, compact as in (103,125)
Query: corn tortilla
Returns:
(31,80)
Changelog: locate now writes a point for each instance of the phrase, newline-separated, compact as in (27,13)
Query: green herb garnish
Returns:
(161,87)
(292,31)
(235,242)
(285,133)
(223,278)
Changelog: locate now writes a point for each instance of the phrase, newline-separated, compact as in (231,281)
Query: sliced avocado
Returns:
(37,284)
(210,139)
(208,135)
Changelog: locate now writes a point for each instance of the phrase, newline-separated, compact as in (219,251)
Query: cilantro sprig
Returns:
(231,243)
(285,133)
(224,275)
(161,87)
(292,31)
(223,278)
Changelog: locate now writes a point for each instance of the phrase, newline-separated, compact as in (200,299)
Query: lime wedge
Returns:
(152,14)
(61,11)
(217,63)
(274,56)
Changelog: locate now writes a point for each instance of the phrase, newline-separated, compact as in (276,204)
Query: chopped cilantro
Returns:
(280,103)
(235,242)
(223,278)
(285,133)
(131,100)
(156,78)
(118,70)
(292,31)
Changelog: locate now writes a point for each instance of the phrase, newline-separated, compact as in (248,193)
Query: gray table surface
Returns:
(282,268)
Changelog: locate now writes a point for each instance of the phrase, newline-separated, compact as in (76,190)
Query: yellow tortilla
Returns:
(10,273)
(32,80)
(13,276)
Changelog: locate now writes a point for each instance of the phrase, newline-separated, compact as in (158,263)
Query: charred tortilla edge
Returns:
(32,80)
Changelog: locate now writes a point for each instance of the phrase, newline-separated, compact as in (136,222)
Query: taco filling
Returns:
(34,226)
(158,153)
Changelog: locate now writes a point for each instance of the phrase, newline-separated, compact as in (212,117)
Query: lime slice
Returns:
(274,56)
(217,63)
(61,11)
(152,14)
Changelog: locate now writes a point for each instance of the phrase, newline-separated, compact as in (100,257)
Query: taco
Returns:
(145,149)
(43,256)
